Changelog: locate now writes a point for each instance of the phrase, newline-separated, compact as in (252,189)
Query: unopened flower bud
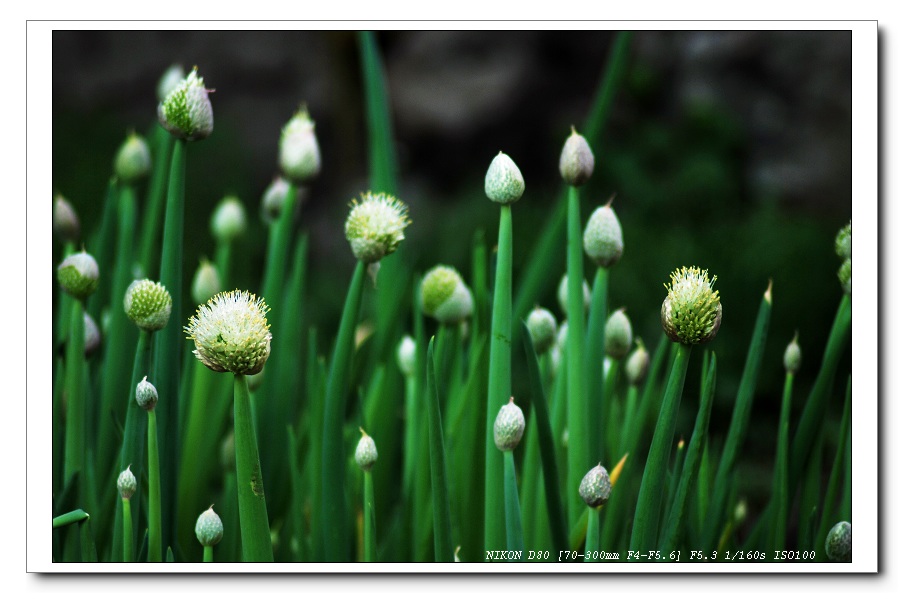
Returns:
(186,112)
(509,426)
(595,487)
(405,356)
(542,326)
(838,542)
(618,335)
(92,335)
(273,199)
(169,81)
(366,452)
(504,183)
(299,154)
(637,364)
(126,483)
(209,528)
(146,395)
(843,242)
(445,297)
(78,275)
(792,355)
(375,226)
(65,221)
(206,283)
(576,160)
(691,312)
(133,160)
(603,242)
(563,294)
(228,221)
(148,304)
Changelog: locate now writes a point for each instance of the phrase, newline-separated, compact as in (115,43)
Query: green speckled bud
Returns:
(148,304)
(366,452)
(133,160)
(843,242)
(792,355)
(206,283)
(299,154)
(186,112)
(169,81)
(273,199)
(637,364)
(126,483)
(78,275)
(576,160)
(603,241)
(509,426)
(228,221)
(209,528)
(405,356)
(375,226)
(504,183)
(231,333)
(92,335)
(65,221)
(844,276)
(445,297)
(691,312)
(595,487)
(146,395)
(618,335)
(838,542)
(563,294)
(542,326)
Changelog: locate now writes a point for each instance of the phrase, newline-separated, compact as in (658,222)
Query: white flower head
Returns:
(186,112)
(231,333)
(375,226)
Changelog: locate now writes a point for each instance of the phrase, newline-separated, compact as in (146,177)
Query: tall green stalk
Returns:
(595,343)
(780,479)
(578,419)
(514,536)
(155,525)
(739,420)
(649,503)
(253,522)
(370,519)
(499,384)
(442,523)
(592,542)
(74,460)
(127,535)
(335,532)
(148,251)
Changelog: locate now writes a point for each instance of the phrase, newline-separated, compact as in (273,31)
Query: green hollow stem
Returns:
(631,416)
(607,430)
(150,222)
(69,518)
(253,522)
(74,457)
(597,403)
(169,342)
(155,523)
(127,536)
(579,435)
(780,478)
(335,528)
(551,487)
(649,502)
(442,522)
(102,247)
(499,382)
(208,553)
(694,454)
(830,509)
(370,519)
(278,251)
(592,543)
(134,435)
(739,420)
(514,536)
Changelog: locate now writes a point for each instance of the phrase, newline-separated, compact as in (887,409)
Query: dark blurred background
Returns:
(726,150)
